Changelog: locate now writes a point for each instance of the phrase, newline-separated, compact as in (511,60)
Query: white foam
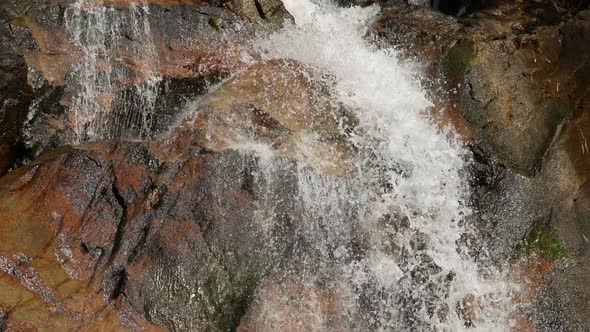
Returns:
(417,159)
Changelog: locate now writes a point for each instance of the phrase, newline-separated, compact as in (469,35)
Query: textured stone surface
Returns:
(280,103)
(517,72)
(15,97)
(166,235)
(169,235)
(111,237)
(197,44)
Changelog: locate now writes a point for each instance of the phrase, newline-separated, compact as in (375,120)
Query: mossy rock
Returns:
(544,241)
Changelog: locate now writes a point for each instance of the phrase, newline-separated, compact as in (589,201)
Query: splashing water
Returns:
(405,200)
(108,102)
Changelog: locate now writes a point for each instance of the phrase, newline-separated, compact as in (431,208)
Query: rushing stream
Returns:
(408,194)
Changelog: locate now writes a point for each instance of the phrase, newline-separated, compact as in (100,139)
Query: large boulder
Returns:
(513,70)
(518,88)
(110,237)
(278,103)
(517,72)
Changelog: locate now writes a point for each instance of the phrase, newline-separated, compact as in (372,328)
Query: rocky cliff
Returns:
(166,232)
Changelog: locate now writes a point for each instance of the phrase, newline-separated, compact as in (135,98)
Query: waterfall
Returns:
(115,86)
(407,195)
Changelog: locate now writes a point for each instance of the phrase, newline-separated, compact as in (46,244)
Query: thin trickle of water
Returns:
(388,232)
(115,85)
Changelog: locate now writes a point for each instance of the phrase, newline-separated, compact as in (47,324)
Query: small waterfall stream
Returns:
(115,88)
(387,235)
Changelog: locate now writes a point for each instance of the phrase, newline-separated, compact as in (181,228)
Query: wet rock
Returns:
(269,10)
(205,250)
(15,97)
(418,31)
(46,125)
(192,53)
(280,103)
(564,301)
(57,243)
(289,304)
(519,86)
(171,241)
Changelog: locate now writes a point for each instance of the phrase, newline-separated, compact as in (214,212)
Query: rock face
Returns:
(269,104)
(123,236)
(189,233)
(515,66)
(162,235)
(516,73)
(536,64)
(15,97)
(155,240)
(196,43)
(166,235)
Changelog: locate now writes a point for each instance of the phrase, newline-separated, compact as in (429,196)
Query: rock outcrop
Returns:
(112,237)
(270,103)
(176,234)
(516,73)
(168,235)
(196,44)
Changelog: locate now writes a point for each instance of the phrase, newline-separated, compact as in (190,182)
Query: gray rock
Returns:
(564,299)
(15,97)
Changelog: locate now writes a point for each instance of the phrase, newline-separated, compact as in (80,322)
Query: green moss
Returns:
(545,241)
(119,213)
(215,22)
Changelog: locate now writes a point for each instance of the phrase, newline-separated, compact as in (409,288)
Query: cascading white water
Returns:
(408,172)
(112,40)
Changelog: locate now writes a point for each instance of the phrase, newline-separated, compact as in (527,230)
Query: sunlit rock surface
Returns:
(282,104)
(294,177)
(119,93)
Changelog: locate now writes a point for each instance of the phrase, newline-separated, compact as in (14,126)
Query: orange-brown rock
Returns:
(278,103)
(108,237)
(61,219)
